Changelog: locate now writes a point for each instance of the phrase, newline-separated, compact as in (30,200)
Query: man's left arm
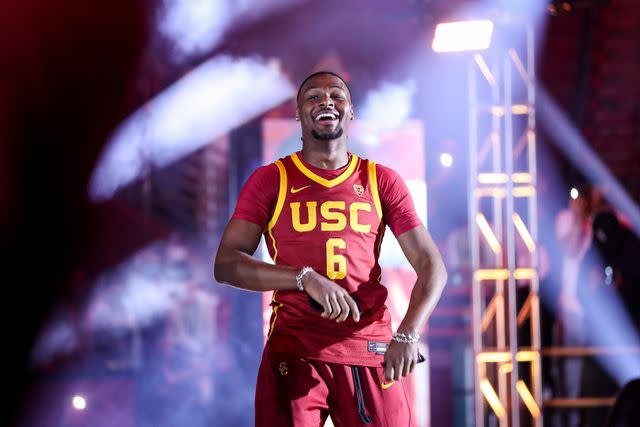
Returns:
(424,256)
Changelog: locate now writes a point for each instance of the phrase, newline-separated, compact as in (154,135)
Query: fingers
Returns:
(332,307)
(408,368)
(336,307)
(336,302)
(349,307)
(398,363)
(388,372)
(397,370)
(355,311)
(400,368)
(344,313)
(326,304)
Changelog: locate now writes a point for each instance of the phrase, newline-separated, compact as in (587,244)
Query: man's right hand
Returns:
(336,302)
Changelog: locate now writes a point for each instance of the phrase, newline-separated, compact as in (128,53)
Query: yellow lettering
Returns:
(353,216)
(336,264)
(311,216)
(329,215)
(333,216)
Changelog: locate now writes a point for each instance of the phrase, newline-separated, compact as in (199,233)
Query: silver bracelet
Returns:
(300,275)
(410,338)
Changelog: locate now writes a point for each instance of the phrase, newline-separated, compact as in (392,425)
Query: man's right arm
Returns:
(235,265)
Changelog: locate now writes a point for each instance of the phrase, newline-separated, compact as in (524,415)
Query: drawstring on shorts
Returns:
(357,385)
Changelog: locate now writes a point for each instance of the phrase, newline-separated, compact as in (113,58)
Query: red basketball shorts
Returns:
(292,391)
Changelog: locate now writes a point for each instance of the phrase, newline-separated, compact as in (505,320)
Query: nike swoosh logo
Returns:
(295,190)
(386,385)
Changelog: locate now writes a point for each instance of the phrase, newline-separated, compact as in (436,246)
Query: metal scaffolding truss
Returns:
(503,232)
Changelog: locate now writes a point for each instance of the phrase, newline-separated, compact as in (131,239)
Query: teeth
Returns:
(326,116)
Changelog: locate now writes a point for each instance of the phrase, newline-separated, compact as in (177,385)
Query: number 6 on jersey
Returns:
(336,263)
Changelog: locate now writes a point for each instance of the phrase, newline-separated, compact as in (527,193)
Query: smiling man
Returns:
(323,212)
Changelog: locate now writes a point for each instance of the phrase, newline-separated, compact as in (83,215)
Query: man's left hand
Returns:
(399,360)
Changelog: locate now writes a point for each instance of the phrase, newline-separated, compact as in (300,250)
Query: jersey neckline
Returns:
(348,171)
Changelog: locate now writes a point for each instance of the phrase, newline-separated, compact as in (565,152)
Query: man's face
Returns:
(324,107)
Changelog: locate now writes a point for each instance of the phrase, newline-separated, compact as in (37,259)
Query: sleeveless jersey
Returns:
(336,227)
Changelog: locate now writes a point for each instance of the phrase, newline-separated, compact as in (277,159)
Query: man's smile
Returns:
(327,117)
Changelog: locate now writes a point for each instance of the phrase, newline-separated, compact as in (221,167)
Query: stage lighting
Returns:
(463,36)
(208,102)
(386,107)
(79,402)
(197,26)
(446,160)
(574,193)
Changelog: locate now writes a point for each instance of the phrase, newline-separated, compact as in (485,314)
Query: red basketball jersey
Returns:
(334,226)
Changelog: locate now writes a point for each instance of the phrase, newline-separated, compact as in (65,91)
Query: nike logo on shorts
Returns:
(385,385)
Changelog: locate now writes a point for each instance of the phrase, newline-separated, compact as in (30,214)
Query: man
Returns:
(323,212)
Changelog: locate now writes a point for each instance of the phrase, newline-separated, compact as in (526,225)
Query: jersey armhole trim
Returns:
(373,179)
(282,193)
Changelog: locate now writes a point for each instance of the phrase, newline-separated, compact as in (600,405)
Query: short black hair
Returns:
(317,74)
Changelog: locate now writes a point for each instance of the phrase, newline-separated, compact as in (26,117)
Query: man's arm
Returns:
(423,254)
(235,265)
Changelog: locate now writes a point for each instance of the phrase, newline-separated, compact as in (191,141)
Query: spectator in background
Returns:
(573,231)
(573,234)
(612,270)
(619,248)
(550,267)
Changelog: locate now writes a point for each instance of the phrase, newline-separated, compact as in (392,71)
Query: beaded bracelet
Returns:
(410,338)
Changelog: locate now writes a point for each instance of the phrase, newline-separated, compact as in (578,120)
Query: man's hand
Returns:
(399,360)
(334,299)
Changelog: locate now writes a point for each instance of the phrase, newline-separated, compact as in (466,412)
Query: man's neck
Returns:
(326,154)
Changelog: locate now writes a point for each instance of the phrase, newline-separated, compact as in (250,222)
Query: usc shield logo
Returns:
(359,189)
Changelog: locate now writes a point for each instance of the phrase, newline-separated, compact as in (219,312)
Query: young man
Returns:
(323,213)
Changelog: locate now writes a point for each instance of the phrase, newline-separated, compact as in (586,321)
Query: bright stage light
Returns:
(204,105)
(195,26)
(463,36)
(446,160)
(79,402)
(385,108)
(574,193)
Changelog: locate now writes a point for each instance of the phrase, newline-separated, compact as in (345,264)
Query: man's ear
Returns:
(297,115)
(353,113)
